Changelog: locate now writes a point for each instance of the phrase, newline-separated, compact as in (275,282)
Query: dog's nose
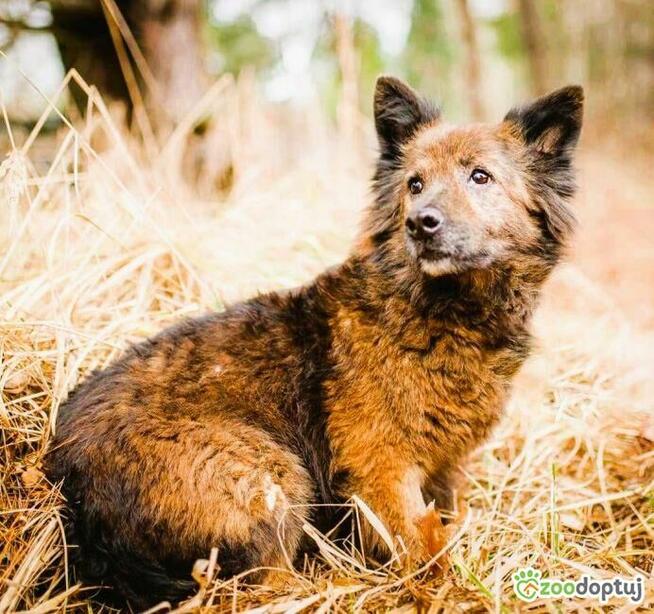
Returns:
(424,223)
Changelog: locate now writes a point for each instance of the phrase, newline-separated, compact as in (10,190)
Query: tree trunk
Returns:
(472,61)
(85,44)
(170,36)
(532,37)
(166,32)
(348,104)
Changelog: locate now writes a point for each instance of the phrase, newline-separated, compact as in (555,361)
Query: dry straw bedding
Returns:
(102,246)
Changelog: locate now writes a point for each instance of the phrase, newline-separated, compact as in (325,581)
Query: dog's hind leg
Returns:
(150,500)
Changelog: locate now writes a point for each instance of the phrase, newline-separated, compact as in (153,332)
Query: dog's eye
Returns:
(415,185)
(480,176)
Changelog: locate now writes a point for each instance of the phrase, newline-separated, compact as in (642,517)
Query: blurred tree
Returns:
(151,52)
(170,34)
(507,31)
(428,55)
(239,45)
(123,45)
(347,112)
(472,61)
(534,45)
(371,62)
(343,51)
(85,44)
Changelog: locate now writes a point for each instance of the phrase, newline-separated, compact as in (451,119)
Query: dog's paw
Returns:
(433,536)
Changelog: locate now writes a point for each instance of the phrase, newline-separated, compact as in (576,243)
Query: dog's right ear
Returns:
(399,111)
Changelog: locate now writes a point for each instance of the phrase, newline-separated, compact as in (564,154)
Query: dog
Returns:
(376,379)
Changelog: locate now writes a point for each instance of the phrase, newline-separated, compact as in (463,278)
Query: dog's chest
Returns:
(427,393)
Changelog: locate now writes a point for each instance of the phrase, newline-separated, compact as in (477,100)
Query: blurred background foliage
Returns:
(473,56)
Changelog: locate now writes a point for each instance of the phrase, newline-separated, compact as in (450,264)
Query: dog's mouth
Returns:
(438,261)
(427,253)
(447,255)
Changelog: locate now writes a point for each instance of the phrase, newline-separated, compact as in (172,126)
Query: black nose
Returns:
(424,223)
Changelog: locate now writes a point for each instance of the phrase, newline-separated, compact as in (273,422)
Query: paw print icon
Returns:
(526,583)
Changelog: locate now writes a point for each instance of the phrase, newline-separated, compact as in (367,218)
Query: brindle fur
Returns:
(375,379)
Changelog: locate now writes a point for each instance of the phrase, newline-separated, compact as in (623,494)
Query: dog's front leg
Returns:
(394,493)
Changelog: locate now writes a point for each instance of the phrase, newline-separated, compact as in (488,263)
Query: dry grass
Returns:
(100,249)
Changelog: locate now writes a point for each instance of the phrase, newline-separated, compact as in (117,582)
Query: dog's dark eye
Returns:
(415,185)
(480,176)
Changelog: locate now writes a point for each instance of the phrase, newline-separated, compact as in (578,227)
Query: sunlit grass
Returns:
(108,245)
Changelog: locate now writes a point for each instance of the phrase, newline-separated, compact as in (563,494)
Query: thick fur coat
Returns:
(376,379)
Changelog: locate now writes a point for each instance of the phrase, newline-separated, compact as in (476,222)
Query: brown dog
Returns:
(375,380)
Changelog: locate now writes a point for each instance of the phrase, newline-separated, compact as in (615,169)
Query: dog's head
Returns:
(451,199)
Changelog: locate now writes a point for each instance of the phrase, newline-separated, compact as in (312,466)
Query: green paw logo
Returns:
(526,583)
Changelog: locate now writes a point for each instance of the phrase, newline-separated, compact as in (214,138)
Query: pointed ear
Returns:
(549,128)
(551,124)
(398,112)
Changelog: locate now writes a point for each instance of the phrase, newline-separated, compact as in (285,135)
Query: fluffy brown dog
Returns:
(376,379)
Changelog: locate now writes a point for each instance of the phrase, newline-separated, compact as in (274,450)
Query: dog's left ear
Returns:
(399,111)
(551,124)
(549,128)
